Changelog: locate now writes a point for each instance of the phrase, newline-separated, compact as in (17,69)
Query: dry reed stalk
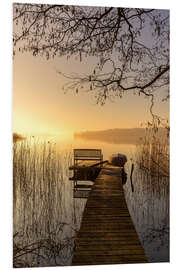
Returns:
(39,179)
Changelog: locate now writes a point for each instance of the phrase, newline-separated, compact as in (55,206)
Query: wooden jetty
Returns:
(107,234)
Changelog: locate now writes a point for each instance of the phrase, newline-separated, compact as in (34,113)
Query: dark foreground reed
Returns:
(149,201)
(43,213)
(152,155)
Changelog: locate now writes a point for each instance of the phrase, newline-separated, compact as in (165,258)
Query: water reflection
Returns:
(46,216)
(45,212)
(107,148)
(149,209)
(148,204)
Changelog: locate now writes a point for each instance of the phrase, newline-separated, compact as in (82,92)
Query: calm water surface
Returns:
(148,204)
(40,211)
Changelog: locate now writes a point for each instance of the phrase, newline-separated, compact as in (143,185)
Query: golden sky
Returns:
(41,107)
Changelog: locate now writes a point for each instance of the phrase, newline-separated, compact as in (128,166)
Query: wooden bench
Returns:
(87,155)
(87,164)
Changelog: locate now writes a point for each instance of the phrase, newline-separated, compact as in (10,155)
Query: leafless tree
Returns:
(131,45)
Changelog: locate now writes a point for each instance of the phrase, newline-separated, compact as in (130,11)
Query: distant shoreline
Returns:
(18,137)
(117,135)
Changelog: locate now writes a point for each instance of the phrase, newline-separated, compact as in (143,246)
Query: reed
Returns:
(152,155)
(39,197)
(149,202)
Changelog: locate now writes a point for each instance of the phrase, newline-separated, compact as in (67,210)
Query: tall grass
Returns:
(149,203)
(152,153)
(43,231)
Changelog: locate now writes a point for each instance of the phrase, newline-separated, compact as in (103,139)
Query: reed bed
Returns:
(148,202)
(43,217)
(152,155)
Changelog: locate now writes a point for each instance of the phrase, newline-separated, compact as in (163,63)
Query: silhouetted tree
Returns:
(132,42)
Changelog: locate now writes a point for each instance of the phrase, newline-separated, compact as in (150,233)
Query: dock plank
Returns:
(107,234)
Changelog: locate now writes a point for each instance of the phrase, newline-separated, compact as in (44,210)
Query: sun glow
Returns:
(28,126)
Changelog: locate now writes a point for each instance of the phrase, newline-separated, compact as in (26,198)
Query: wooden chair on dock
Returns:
(87,165)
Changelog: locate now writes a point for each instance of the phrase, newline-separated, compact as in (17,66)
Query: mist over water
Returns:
(107,148)
(44,206)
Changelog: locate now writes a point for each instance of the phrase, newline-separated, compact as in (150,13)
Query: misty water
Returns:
(46,210)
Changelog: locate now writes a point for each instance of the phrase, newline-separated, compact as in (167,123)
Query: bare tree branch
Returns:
(131,45)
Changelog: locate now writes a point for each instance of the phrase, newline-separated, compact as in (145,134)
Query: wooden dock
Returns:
(107,234)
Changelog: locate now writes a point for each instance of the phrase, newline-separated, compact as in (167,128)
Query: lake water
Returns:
(47,210)
(107,148)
